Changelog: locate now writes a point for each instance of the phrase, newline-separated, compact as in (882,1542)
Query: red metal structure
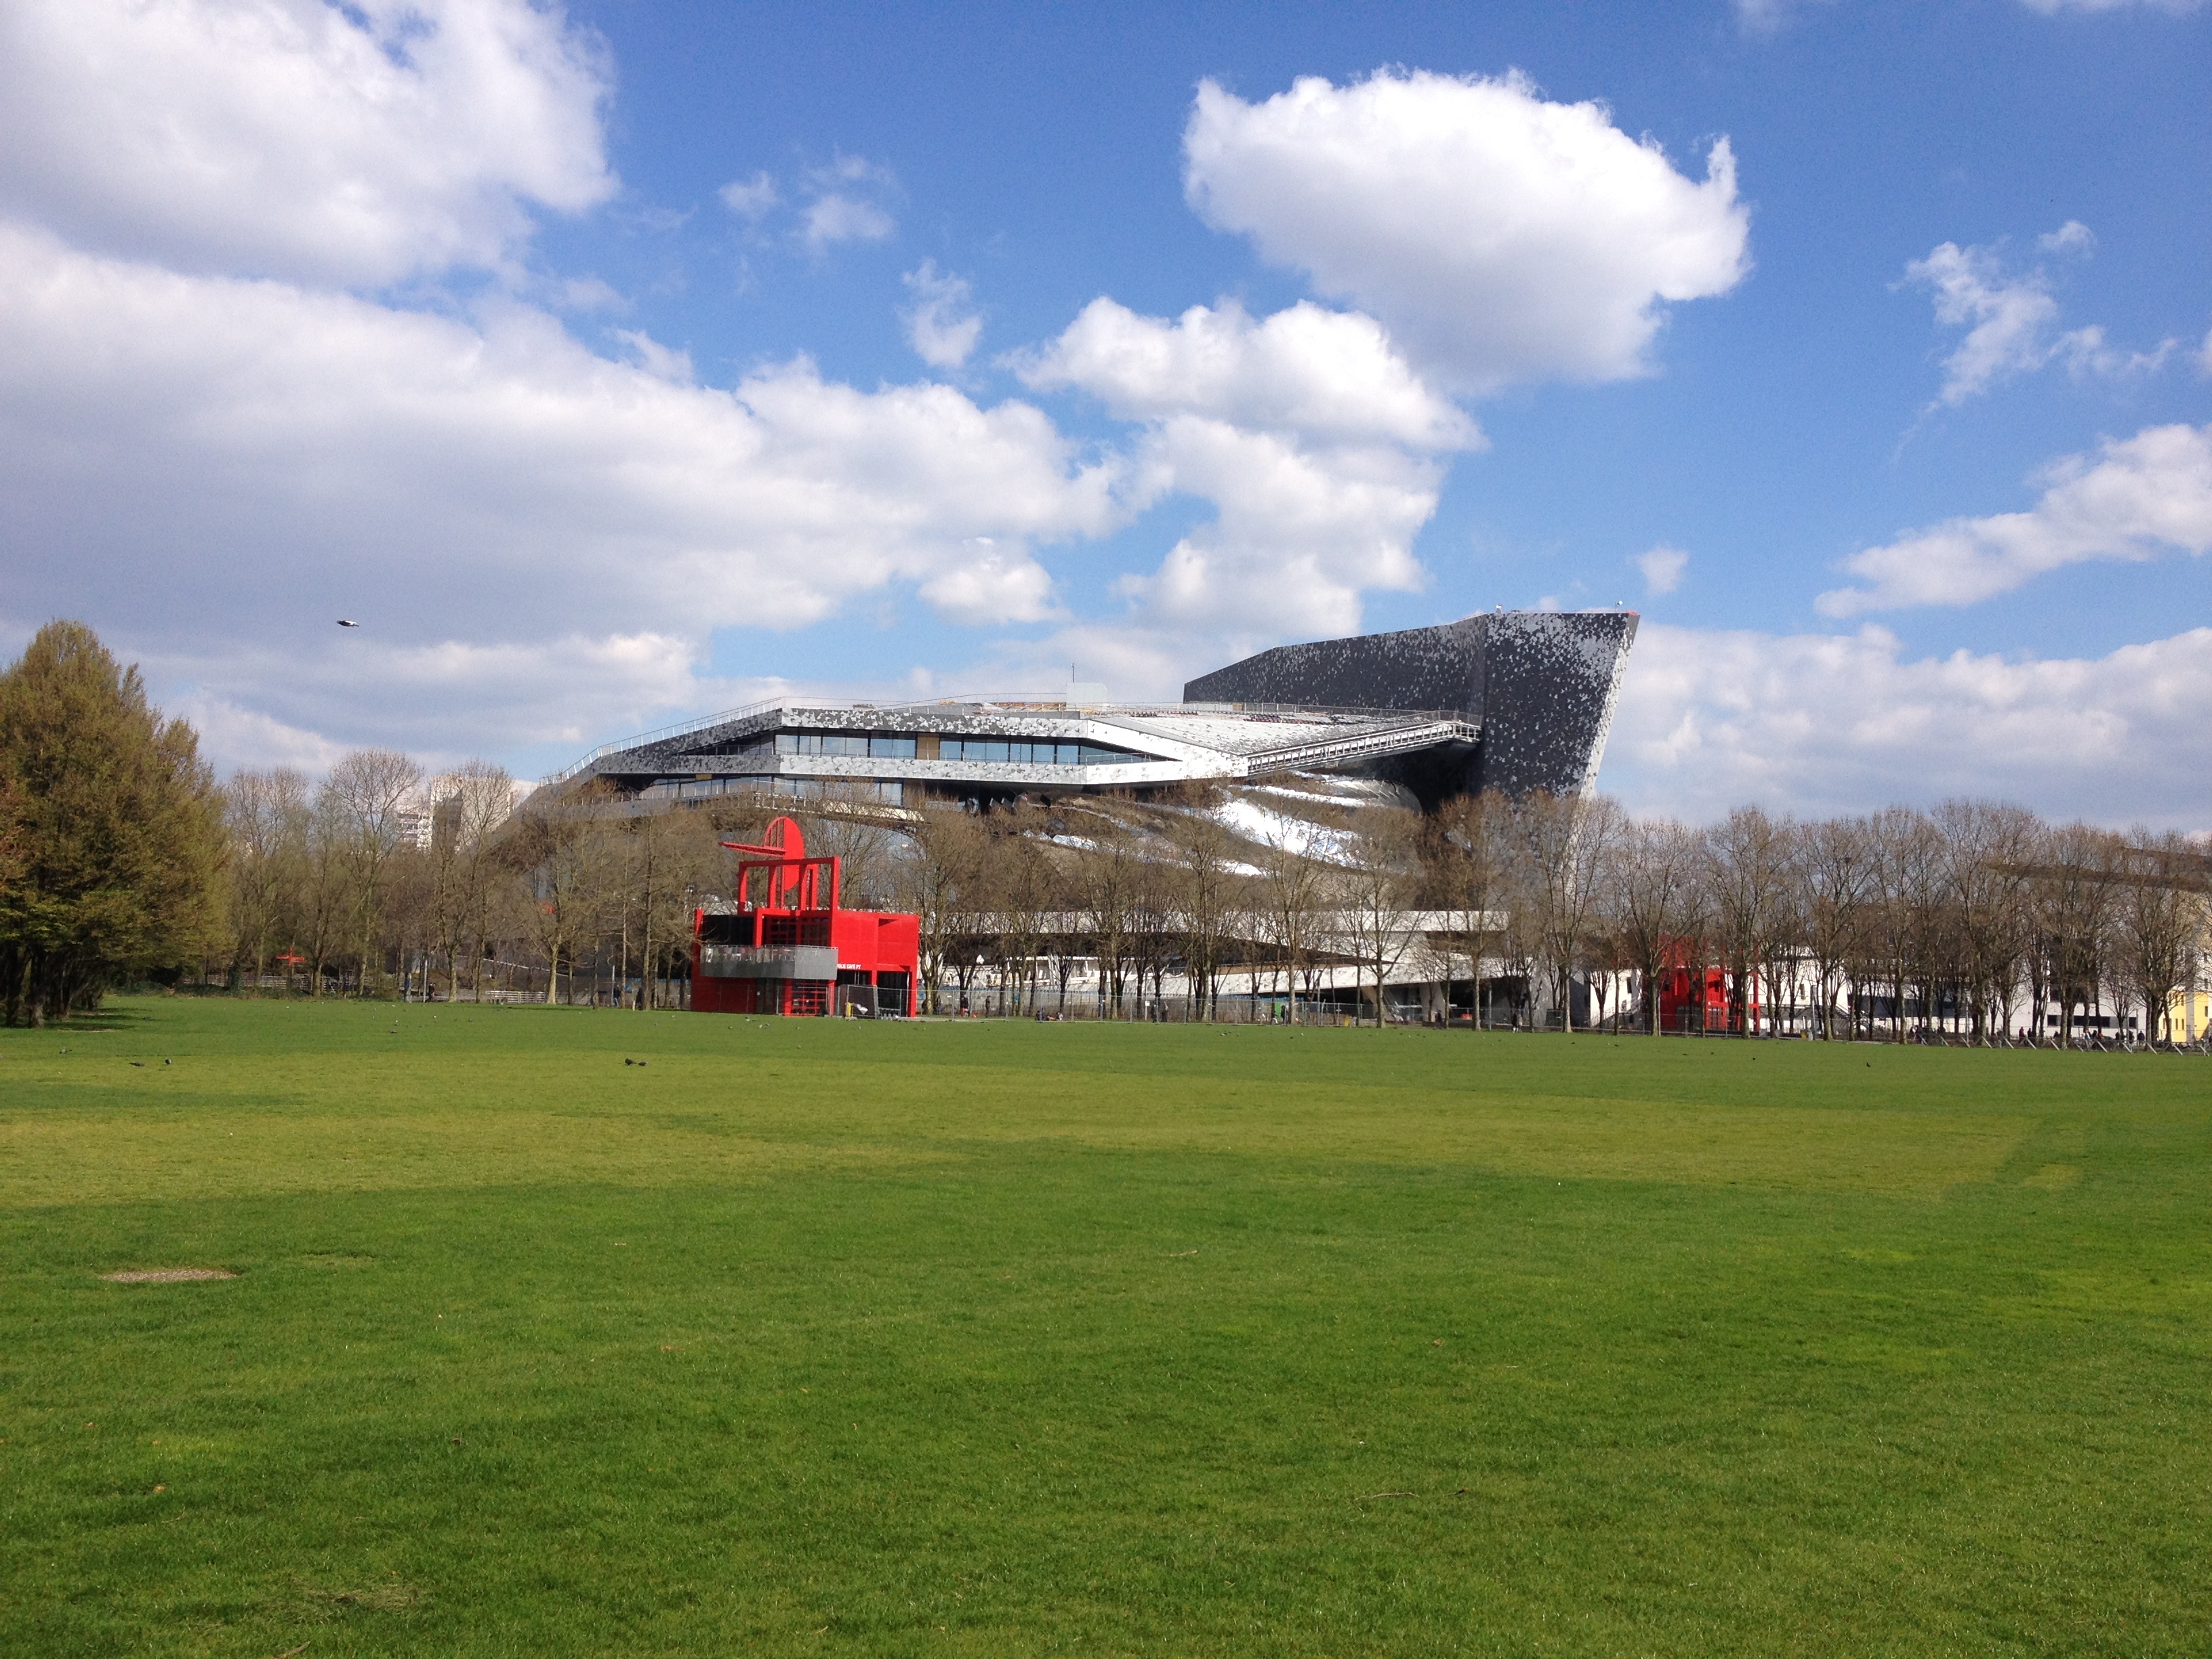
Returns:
(1695,996)
(790,949)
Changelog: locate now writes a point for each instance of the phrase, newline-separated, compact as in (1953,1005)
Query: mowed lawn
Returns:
(818,1338)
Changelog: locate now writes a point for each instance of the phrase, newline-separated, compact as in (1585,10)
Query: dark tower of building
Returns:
(1541,684)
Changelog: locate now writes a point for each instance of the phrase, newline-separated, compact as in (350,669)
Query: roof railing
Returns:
(1007,702)
(682,728)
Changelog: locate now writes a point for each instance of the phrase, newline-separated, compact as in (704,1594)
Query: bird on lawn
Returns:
(347,623)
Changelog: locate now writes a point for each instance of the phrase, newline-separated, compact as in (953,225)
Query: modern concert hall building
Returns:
(1513,701)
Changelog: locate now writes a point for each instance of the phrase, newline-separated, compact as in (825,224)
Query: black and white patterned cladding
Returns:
(1541,684)
(1438,668)
(1550,681)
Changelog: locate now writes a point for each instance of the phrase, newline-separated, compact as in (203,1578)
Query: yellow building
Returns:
(2190,1013)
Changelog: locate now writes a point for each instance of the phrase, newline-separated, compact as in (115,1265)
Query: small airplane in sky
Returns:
(343,623)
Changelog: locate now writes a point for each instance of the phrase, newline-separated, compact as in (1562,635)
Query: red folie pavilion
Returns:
(781,945)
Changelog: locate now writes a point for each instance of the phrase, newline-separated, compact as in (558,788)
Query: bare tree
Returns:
(1466,856)
(940,881)
(2075,895)
(371,791)
(1203,892)
(1905,903)
(1376,891)
(1292,891)
(1656,902)
(1985,851)
(266,815)
(1106,875)
(1563,848)
(1835,874)
(468,805)
(1746,860)
(1020,893)
(2162,916)
(558,849)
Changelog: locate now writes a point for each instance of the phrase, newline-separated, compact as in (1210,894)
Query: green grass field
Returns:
(930,1339)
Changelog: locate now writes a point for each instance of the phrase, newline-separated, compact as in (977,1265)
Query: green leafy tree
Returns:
(119,830)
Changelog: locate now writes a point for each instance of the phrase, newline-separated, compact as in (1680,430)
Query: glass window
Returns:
(891,748)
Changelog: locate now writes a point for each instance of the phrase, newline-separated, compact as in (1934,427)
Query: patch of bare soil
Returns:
(166,1275)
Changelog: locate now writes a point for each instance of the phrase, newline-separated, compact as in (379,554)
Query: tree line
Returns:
(1967,919)
(122,858)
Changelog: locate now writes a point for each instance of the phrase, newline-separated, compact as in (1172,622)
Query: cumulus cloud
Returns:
(1821,723)
(995,584)
(1302,533)
(750,199)
(1304,369)
(1662,568)
(2141,494)
(1302,536)
(1310,433)
(355,145)
(237,457)
(2072,237)
(848,204)
(2008,318)
(441,699)
(838,217)
(941,323)
(1499,237)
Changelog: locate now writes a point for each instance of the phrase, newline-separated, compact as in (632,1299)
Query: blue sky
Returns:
(623,363)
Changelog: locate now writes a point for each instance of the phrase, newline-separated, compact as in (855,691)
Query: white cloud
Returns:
(2204,354)
(839,218)
(995,585)
(588,294)
(2072,237)
(233,737)
(662,362)
(355,145)
(1305,369)
(241,461)
(750,199)
(941,324)
(848,204)
(1498,237)
(1819,724)
(2052,7)
(1662,568)
(1768,16)
(444,700)
(1310,435)
(2141,494)
(1302,533)
(2008,318)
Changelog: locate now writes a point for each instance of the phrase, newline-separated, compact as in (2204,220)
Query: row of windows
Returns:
(844,742)
(1020,753)
(889,792)
(1037,753)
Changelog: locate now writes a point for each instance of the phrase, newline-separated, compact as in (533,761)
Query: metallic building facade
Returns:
(1514,700)
(1540,686)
